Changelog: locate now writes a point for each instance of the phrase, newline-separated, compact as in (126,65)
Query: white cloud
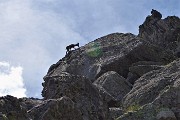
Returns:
(33,37)
(11,80)
(4,64)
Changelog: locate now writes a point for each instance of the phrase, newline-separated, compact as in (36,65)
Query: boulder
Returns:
(114,84)
(80,90)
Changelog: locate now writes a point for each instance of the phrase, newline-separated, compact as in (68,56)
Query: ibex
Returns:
(156,14)
(68,48)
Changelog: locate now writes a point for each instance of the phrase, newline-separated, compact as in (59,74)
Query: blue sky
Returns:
(34,33)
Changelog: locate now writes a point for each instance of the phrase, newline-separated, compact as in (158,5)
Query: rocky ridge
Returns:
(118,76)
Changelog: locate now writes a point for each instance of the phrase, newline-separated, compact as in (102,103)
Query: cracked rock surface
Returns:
(118,76)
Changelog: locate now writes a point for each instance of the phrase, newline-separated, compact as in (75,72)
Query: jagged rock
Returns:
(167,100)
(114,52)
(161,32)
(160,88)
(115,85)
(156,90)
(80,90)
(11,109)
(146,112)
(170,98)
(56,109)
(29,103)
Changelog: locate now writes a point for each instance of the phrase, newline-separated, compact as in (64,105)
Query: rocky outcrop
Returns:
(162,32)
(152,84)
(155,91)
(80,90)
(12,108)
(114,52)
(113,64)
(118,76)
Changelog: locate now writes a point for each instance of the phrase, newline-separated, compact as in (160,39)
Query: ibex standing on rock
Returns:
(68,48)
(156,14)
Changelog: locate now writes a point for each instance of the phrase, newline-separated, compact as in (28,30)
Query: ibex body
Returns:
(69,47)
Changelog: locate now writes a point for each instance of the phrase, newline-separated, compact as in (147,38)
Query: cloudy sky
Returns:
(34,33)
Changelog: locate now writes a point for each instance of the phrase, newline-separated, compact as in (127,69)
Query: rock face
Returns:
(80,90)
(112,87)
(12,108)
(118,76)
(56,109)
(163,32)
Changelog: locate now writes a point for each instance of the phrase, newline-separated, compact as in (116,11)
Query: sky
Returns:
(34,33)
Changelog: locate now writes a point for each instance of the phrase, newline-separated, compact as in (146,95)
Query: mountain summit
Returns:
(118,76)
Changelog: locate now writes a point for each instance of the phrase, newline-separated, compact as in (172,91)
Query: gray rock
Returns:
(11,109)
(114,84)
(80,90)
(29,103)
(114,52)
(146,112)
(166,114)
(56,109)
(162,32)
(128,55)
(158,88)
(142,69)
